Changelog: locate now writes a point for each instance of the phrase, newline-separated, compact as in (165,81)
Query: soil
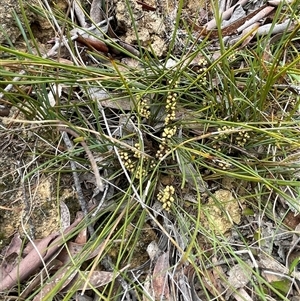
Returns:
(27,205)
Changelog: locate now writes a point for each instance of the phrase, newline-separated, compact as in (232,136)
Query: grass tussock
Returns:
(195,151)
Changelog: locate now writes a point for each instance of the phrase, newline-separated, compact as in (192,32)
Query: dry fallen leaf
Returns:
(160,278)
(56,279)
(10,255)
(239,276)
(42,252)
(28,264)
(96,279)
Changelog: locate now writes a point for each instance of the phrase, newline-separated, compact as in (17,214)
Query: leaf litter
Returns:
(162,275)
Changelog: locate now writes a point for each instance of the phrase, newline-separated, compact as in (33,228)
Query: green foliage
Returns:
(185,129)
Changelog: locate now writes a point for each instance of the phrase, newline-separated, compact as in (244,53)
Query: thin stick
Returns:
(81,198)
(99,183)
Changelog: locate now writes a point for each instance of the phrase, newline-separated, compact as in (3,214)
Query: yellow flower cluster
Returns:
(163,149)
(131,163)
(239,139)
(202,68)
(127,161)
(171,105)
(140,172)
(242,138)
(144,108)
(168,133)
(136,153)
(166,197)
(224,165)
(223,129)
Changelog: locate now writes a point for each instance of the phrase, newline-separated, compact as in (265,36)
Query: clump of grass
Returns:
(185,131)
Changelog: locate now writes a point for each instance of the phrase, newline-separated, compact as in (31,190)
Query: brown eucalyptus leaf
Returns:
(74,249)
(95,11)
(30,246)
(27,265)
(96,279)
(69,252)
(92,44)
(160,278)
(53,282)
(55,245)
(81,237)
(54,265)
(64,215)
(33,260)
(10,255)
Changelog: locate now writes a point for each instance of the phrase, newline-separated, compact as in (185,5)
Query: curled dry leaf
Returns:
(96,279)
(278,2)
(28,265)
(64,216)
(74,249)
(14,246)
(160,277)
(42,252)
(226,15)
(277,28)
(92,44)
(56,279)
(153,250)
(54,94)
(79,12)
(185,286)
(259,14)
(96,11)
(10,255)
(239,276)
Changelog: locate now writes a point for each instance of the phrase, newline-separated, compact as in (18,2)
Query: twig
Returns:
(52,52)
(101,201)
(277,28)
(10,86)
(258,16)
(225,15)
(99,183)
(81,198)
